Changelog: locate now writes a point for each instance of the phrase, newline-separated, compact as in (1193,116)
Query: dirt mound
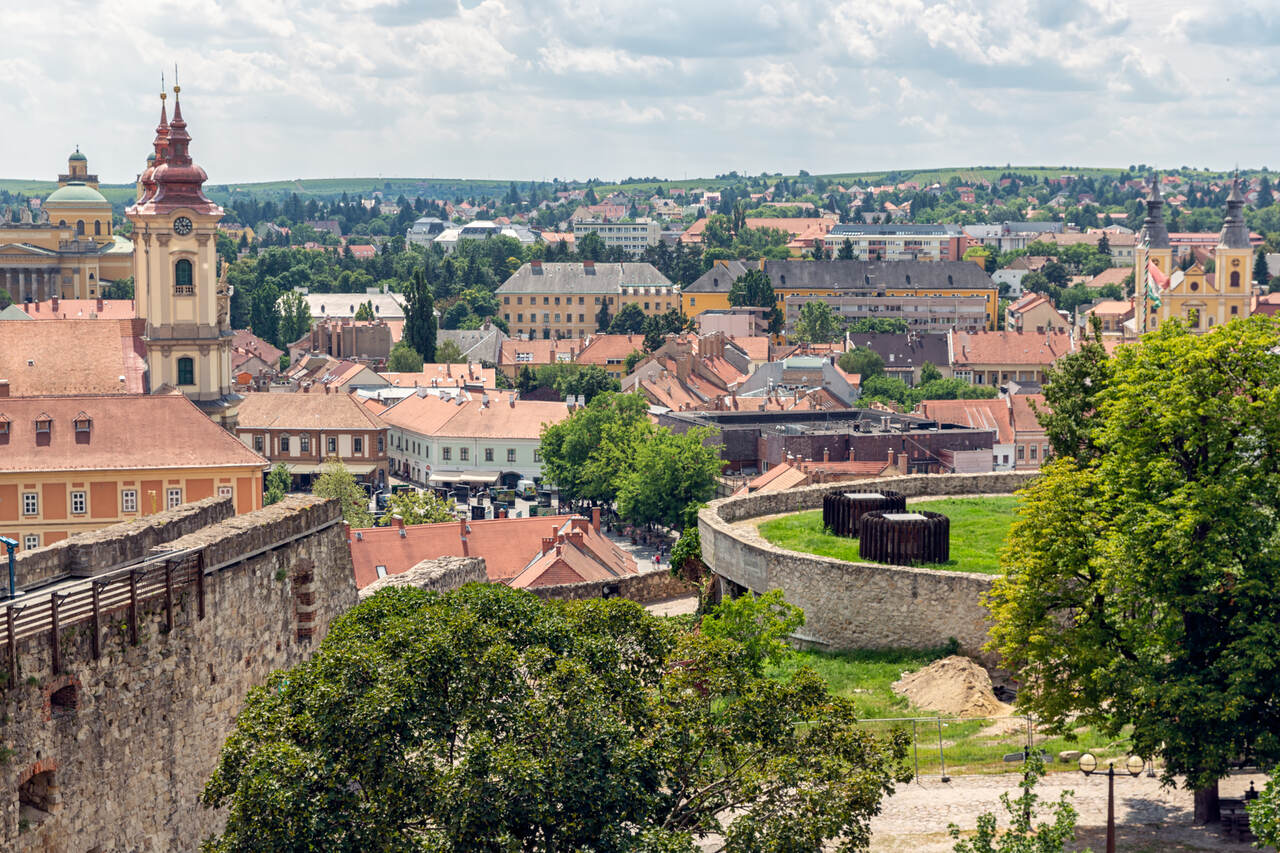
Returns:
(955,686)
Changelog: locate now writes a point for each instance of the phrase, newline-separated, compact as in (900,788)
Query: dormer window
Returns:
(44,423)
(4,427)
(82,423)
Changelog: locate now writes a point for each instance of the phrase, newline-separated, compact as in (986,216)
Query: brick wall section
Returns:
(438,575)
(656,585)
(97,550)
(133,755)
(855,605)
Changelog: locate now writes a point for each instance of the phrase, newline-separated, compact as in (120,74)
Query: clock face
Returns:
(1235,262)
(182,225)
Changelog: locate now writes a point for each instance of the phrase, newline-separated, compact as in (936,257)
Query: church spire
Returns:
(1235,235)
(1154,233)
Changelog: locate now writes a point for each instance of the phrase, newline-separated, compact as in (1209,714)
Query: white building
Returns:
(635,237)
(482,229)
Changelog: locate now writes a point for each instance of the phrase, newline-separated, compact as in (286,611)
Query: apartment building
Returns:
(562,300)
(77,463)
(635,237)
(899,242)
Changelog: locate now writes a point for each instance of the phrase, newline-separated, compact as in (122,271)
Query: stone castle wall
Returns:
(117,749)
(855,605)
(645,587)
(439,574)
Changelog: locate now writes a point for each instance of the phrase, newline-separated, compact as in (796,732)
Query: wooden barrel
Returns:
(905,538)
(841,510)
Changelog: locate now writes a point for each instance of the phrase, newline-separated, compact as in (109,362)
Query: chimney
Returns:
(54,303)
(826,454)
(595,519)
(548,542)
(587,266)
(511,400)
(536,266)
(397,521)
(559,549)
(99,304)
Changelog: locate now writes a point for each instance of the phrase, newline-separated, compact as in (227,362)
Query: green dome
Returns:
(76,192)
(151,158)
(78,156)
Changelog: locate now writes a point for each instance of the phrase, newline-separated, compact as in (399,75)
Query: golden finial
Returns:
(162,92)
(176,87)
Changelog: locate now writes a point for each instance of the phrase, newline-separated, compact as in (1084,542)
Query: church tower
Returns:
(1233,258)
(1153,250)
(175,273)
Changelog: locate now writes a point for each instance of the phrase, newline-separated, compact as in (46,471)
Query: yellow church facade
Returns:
(68,248)
(1200,299)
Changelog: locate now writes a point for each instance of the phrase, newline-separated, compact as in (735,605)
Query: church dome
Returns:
(78,157)
(76,193)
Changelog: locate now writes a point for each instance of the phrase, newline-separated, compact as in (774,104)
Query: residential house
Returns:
(741,321)
(304,430)
(483,344)
(1034,312)
(688,372)
(562,300)
(480,439)
(472,377)
(905,355)
(343,306)
(518,353)
(1114,314)
(995,414)
(482,229)
(899,242)
(610,352)
(997,358)
(355,340)
(635,237)
(518,552)
(799,375)
(76,463)
(803,232)
(332,374)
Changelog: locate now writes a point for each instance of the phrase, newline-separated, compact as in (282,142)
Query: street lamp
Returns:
(11,544)
(1088,764)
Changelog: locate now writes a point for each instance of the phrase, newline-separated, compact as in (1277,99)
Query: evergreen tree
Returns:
(279,481)
(419,317)
(1261,274)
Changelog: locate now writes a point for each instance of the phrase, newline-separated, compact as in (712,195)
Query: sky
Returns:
(536,89)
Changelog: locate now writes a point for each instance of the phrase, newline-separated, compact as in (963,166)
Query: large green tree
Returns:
(419,317)
(628,321)
(587,454)
(862,361)
(1072,387)
(1143,584)
(669,473)
(337,482)
(754,289)
(817,323)
(404,359)
(418,508)
(279,482)
(484,719)
(295,317)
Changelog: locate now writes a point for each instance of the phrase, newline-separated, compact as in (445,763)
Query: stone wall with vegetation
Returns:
(855,605)
(646,587)
(117,749)
(440,574)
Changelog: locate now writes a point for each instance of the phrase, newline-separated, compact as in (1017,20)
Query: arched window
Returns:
(97,228)
(1235,278)
(80,227)
(186,371)
(182,276)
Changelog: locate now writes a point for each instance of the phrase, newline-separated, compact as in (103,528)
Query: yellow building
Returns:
(176,287)
(1200,299)
(77,463)
(544,300)
(925,283)
(69,249)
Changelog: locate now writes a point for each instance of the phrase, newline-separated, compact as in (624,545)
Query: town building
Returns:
(477,439)
(743,321)
(55,308)
(343,306)
(563,300)
(899,242)
(482,229)
(997,358)
(69,248)
(80,462)
(518,353)
(1200,299)
(609,353)
(323,372)
(635,237)
(304,430)
(1021,443)
(800,374)
(803,233)
(1034,312)
(519,552)
(46,358)
(424,231)
(928,295)
(252,358)
(185,306)
(904,356)
(483,344)
(1115,315)
(689,373)
(357,340)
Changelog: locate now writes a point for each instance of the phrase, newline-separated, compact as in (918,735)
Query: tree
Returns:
(5,299)
(1073,386)
(1142,586)
(1261,274)
(419,318)
(365,310)
(404,359)
(929,372)
(817,323)
(602,317)
(295,317)
(1055,273)
(633,358)
(486,719)
(279,482)
(121,288)
(449,353)
(1264,813)
(628,321)
(1104,245)
(754,288)
(669,473)
(264,314)
(586,454)
(336,482)
(418,508)
(862,361)
(1023,835)
(846,252)
(878,326)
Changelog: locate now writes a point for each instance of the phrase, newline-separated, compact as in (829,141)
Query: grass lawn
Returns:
(968,745)
(978,530)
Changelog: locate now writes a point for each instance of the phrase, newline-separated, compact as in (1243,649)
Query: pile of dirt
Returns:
(955,686)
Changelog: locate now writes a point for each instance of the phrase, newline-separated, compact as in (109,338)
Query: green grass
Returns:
(978,530)
(968,745)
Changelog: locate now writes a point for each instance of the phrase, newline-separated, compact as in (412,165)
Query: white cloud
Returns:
(534,88)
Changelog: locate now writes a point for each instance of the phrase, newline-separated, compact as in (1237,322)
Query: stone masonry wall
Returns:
(439,574)
(645,587)
(132,737)
(855,605)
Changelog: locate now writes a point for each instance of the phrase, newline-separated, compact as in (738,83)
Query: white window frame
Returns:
(79,502)
(30,503)
(173,497)
(511,454)
(332,444)
(128,500)
(31,541)
(225,491)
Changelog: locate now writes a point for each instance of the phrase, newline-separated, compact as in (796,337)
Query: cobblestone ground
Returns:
(1149,819)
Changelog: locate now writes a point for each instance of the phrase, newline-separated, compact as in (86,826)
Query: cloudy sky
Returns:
(277,89)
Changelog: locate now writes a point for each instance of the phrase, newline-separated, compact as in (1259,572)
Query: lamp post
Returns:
(11,544)
(1134,765)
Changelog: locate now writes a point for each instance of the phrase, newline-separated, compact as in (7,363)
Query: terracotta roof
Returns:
(795,226)
(509,546)
(318,411)
(247,342)
(777,478)
(1007,347)
(1029,301)
(1024,417)
(73,357)
(539,351)
(81,309)
(1111,275)
(445,376)
(601,348)
(433,415)
(148,431)
(755,346)
(852,468)
(976,414)
(1111,306)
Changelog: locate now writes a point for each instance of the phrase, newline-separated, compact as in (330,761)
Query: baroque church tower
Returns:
(175,273)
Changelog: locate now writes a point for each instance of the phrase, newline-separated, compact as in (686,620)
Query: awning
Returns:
(314,468)
(480,477)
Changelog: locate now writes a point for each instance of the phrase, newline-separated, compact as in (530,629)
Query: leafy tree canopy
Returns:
(404,359)
(449,353)
(862,361)
(586,454)
(338,483)
(279,482)
(668,473)
(817,323)
(418,508)
(879,326)
(485,719)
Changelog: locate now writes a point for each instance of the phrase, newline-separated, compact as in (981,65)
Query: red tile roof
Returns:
(312,411)
(126,432)
(1007,347)
(432,415)
(445,376)
(600,349)
(978,414)
(73,357)
(80,309)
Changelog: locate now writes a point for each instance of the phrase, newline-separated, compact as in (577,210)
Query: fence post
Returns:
(941,757)
(915,750)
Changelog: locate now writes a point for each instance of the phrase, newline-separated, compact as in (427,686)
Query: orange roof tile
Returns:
(1024,417)
(72,357)
(80,309)
(978,414)
(600,349)
(1008,347)
(445,376)
(432,415)
(265,410)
